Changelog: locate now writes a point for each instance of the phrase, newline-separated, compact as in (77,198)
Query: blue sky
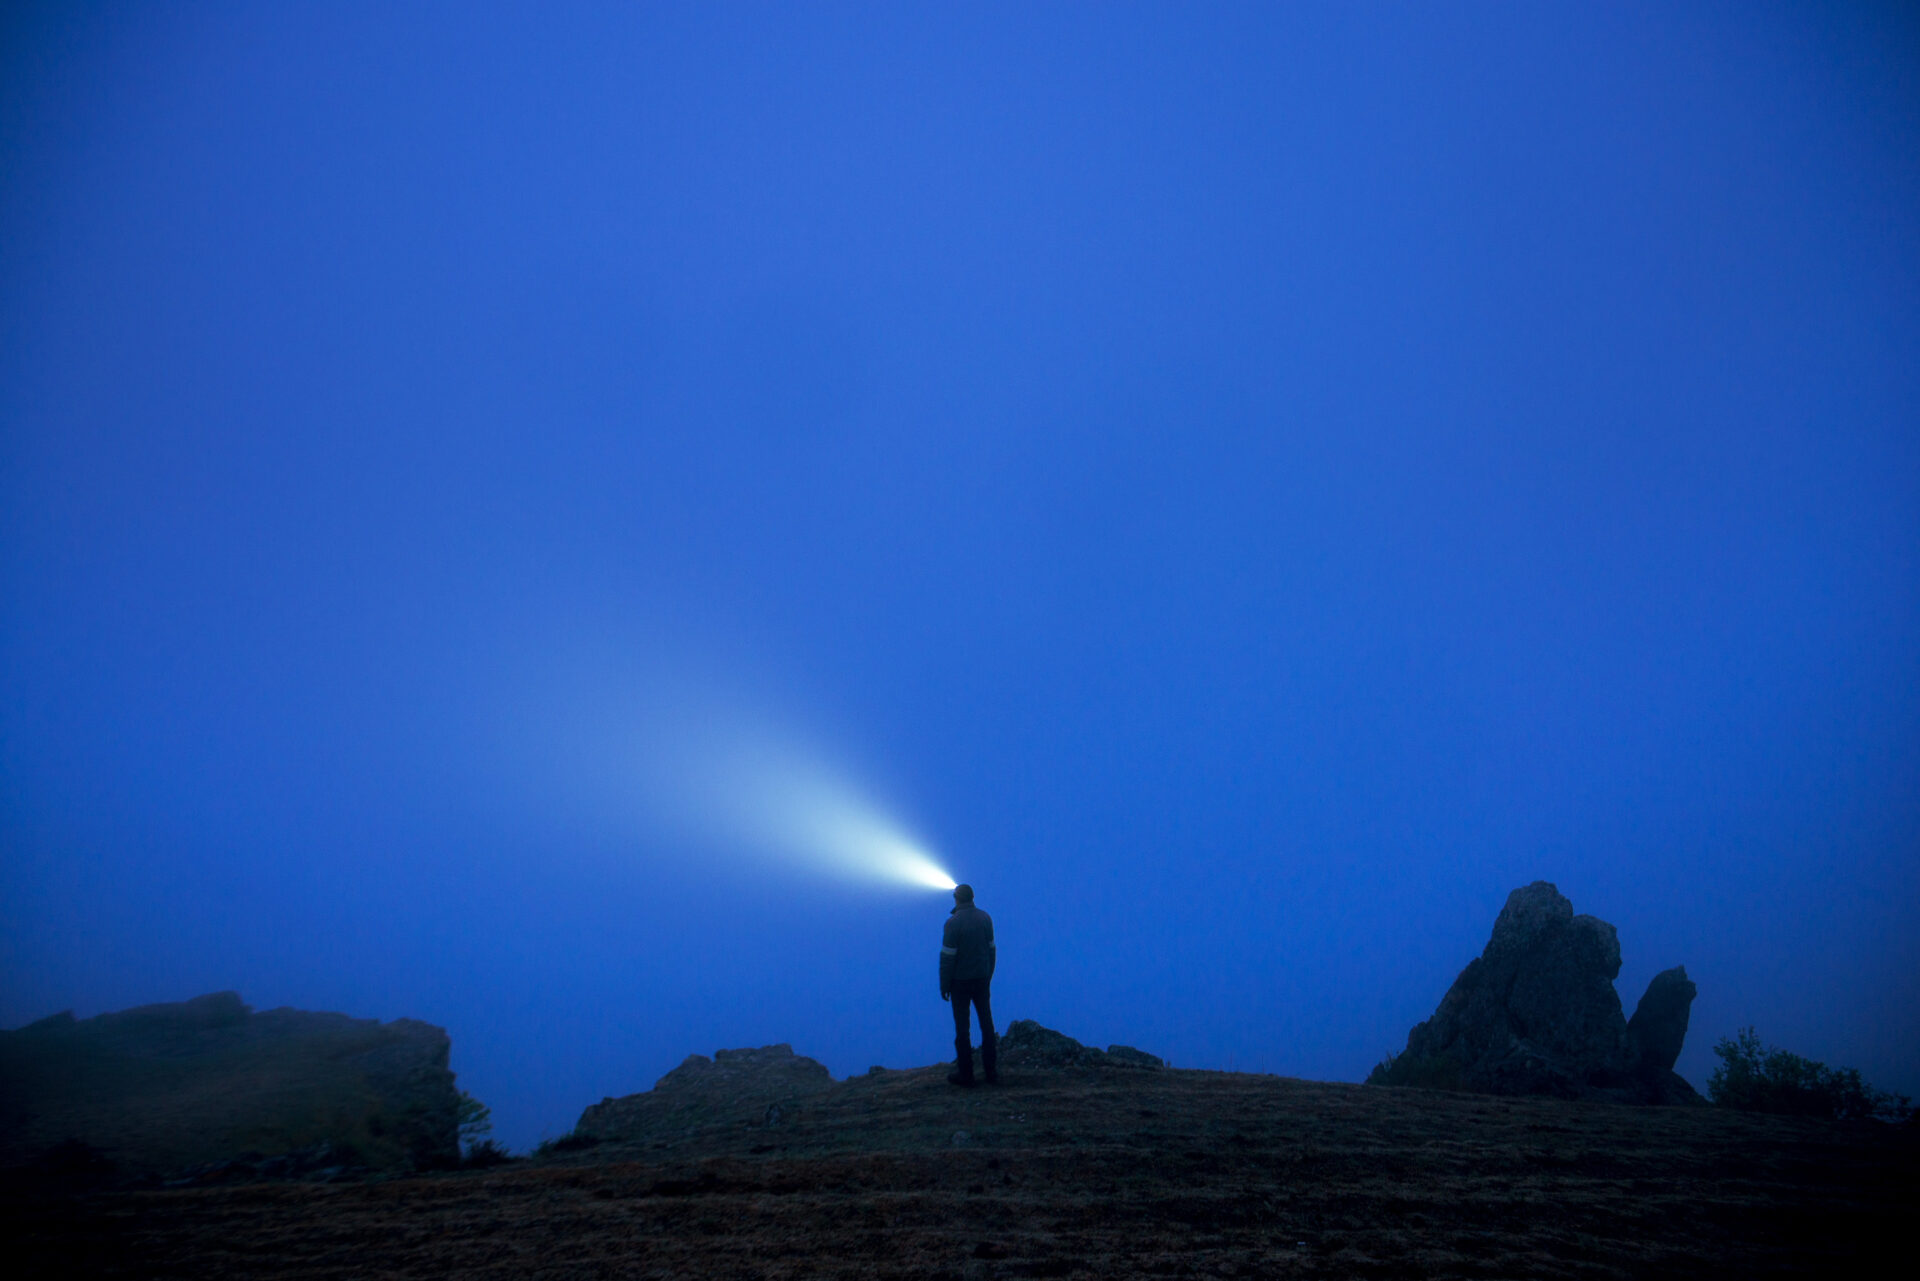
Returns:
(1244,486)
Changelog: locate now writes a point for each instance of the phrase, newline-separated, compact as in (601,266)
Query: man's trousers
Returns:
(974,992)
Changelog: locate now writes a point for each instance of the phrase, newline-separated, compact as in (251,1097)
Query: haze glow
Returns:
(686,763)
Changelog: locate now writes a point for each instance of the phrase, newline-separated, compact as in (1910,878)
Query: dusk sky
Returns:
(513,515)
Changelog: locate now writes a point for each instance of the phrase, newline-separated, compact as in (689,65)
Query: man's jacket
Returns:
(966,949)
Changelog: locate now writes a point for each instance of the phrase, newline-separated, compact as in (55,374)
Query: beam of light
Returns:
(683,763)
(768,794)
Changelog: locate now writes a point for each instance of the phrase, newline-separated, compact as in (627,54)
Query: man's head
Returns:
(963,895)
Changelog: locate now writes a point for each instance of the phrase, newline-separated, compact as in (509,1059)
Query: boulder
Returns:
(1127,1056)
(1026,1044)
(163,1090)
(1536,1013)
(761,1086)
(1655,1034)
(1658,1027)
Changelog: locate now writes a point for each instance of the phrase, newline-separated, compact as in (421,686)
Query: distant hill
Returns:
(164,1089)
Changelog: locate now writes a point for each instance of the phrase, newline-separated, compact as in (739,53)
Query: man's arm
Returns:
(947,952)
(993,952)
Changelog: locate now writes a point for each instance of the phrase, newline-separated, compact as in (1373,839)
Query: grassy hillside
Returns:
(1075,1172)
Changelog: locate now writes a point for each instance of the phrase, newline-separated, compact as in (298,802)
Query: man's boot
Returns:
(963,1056)
(990,1058)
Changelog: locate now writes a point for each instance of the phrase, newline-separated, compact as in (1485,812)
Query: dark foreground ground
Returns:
(1069,1173)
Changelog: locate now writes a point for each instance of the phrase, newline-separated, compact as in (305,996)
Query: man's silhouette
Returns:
(966,972)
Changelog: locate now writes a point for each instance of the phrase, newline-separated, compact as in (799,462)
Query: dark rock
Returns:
(1663,1087)
(1026,1044)
(730,1071)
(1658,1027)
(1128,1056)
(1655,1034)
(1536,1013)
(210,1084)
(761,1086)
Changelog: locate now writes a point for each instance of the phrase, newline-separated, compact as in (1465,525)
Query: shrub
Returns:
(1760,1078)
(476,1123)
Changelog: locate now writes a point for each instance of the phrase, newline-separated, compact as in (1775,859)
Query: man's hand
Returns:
(945,995)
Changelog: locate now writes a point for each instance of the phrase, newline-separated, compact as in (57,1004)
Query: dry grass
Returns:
(1071,1173)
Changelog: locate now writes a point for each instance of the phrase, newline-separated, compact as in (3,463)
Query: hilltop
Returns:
(1098,1168)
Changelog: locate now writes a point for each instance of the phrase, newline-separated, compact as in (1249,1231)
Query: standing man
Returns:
(966,972)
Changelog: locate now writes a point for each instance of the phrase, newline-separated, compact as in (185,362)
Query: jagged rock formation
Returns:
(1658,1027)
(209,1085)
(761,1087)
(1537,1013)
(1025,1044)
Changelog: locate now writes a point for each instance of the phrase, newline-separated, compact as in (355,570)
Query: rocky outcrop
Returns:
(1658,1027)
(1655,1034)
(1025,1044)
(1536,1013)
(210,1084)
(765,1086)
